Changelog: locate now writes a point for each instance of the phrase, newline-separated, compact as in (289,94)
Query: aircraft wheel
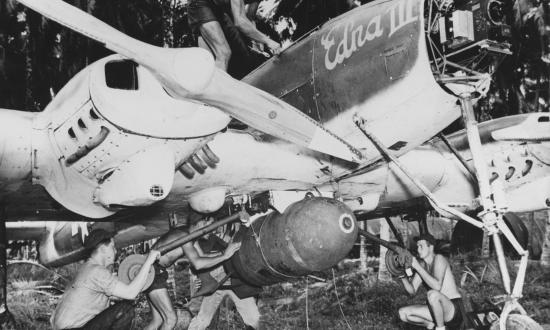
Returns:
(393,265)
(520,231)
(467,237)
(518,322)
(130,267)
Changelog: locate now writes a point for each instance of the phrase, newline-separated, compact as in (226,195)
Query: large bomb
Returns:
(311,235)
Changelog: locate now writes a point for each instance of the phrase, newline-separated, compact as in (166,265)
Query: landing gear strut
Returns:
(491,198)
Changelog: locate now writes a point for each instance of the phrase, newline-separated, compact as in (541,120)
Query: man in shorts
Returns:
(242,295)
(164,315)
(206,18)
(86,303)
(444,306)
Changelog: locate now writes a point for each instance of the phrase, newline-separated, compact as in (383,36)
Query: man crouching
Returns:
(85,304)
(444,306)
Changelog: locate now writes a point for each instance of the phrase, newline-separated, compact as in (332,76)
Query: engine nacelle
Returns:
(15,145)
(143,179)
(311,235)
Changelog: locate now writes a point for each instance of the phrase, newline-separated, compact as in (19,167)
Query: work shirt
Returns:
(87,296)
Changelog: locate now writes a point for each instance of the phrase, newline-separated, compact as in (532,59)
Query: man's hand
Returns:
(415,264)
(198,284)
(152,257)
(231,249)
(274,47)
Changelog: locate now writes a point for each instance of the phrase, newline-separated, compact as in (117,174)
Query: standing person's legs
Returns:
(247,308)
(417,315)
(213,37)
(118,316)
(162,306)
(156,319)
(207,311)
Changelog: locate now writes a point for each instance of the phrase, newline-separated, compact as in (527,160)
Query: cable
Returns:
(307,307)
(338,298)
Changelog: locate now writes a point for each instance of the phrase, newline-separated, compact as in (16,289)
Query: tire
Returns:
(467,237)
(518,322)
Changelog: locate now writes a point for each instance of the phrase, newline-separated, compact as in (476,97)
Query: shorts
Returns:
(456,321)
(200,12)
(161,276)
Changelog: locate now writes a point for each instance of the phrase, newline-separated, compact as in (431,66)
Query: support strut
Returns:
(243,216)
(491,215)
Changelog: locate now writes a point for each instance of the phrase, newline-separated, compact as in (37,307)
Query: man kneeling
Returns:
(85,305)
(444,302)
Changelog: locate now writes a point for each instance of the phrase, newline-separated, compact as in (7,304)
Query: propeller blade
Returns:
(190,73)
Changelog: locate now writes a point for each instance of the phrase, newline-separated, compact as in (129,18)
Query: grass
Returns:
(357,299)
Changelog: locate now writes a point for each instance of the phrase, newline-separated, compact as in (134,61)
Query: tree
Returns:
(383,273)
(545,257)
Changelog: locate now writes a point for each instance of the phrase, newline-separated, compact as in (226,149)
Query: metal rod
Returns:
(200,232)
(395,232)
(502,263)
(474,141)
(378,240)
(520,277)
(458,156)
(397,166)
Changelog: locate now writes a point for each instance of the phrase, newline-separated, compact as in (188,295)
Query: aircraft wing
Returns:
(190,74)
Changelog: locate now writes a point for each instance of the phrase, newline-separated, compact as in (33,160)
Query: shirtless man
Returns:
(205,18)
(163,313)
(444,300)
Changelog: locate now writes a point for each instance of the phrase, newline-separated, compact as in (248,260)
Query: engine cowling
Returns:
(311,235)
(15,145)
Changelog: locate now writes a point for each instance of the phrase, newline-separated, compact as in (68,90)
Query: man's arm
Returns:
(251,10)
(435,282)
(131,290)
(412,286)
(206,261)
(204,254)
(247,27)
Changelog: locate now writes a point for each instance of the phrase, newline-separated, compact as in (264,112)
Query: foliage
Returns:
(358,298)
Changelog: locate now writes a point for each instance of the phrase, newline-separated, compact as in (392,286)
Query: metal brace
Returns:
(491,215)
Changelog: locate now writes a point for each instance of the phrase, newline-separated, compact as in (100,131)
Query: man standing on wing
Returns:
(206,18)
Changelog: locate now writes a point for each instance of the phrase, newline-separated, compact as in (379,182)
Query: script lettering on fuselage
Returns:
(342,46)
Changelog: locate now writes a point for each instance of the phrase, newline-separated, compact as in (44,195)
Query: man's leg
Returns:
(212,35)
(118,316)
(208,308)
(417,315)
(442,307)
(156,319)
(162,309)
(247,308)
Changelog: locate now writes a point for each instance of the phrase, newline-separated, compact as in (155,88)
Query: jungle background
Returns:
(37,58)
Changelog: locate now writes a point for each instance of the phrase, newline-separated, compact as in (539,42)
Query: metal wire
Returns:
(338,298)
(307,303)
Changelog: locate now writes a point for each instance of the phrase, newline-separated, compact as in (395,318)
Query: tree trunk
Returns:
(383,274)
(362,250)
(545,256)
(6,319)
